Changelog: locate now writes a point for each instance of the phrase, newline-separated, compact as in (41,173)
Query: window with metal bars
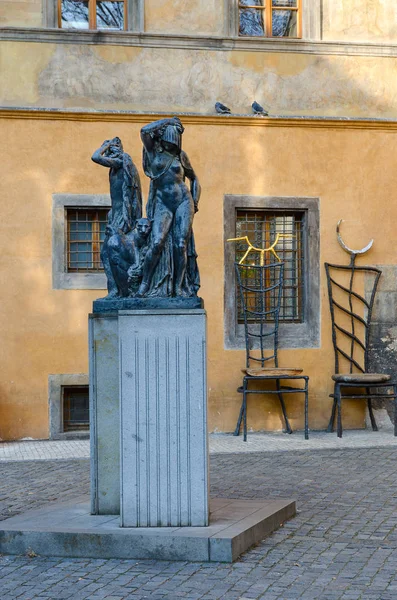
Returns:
(85,235)
(110,15)
(270,18)
(76,408)
(261,227)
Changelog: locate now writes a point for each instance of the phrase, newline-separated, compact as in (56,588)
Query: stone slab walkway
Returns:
(218,443)
(342,545)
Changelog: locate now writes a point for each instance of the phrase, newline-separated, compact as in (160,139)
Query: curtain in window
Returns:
(251,19)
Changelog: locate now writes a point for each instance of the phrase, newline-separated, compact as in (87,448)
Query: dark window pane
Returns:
(74,14)
(284,23)
(251,19)
(110,15)
(76,409)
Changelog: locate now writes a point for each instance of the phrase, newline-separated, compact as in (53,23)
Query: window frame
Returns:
(56,385)
(267,15)
(62,279)
(311,17)
(92,16)
(291,335)
(135,10)
(95,240)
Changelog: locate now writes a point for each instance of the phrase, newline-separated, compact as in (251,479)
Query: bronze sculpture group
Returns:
(154,256)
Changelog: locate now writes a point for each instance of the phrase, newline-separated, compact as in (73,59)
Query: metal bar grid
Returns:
(261,228)
(85,236)
(356,351)
(76,408)
(263,283)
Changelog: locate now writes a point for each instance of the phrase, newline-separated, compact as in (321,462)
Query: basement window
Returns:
(76,409)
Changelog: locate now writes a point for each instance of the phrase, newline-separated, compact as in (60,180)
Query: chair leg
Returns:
(245,412)
(240,418)
(280,397)
(395,409)
(306,409)
(330,427)
(339,403)
(371,413)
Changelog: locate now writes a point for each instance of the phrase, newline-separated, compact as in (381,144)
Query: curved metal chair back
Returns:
(260,290)
(348,326)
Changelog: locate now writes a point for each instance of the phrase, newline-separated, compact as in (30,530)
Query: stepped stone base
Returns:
(69,530)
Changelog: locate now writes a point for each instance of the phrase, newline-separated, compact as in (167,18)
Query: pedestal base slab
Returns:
(69,530)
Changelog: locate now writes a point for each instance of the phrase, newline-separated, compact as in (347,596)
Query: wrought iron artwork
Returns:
(351,326)
(265,236)
(153,257)
(261,301)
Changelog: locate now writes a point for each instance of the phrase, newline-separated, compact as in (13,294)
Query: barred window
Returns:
(76,408)
(261,227)
(270,18)
(110,15)
(85,235)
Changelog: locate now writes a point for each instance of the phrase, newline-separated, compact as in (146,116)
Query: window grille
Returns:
(76,408)
(110,15)
(85,235)
(270,18)
(261,228)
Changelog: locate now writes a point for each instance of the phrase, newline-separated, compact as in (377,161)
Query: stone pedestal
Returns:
(163,418)
(104,414)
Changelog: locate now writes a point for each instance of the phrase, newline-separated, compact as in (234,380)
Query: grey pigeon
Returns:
(258,109)
(222,109)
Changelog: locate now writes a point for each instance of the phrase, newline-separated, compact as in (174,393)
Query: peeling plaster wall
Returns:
(360,20)
(185,16)
(21,13)
(152,79)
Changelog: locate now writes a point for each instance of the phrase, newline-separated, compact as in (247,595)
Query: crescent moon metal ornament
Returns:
(346,248)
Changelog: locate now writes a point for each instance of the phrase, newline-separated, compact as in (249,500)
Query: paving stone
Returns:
(341,545)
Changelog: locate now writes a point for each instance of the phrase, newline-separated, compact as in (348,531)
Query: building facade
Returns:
(77,72)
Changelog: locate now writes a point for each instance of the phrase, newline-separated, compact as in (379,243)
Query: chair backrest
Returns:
(351,313)
(260,289)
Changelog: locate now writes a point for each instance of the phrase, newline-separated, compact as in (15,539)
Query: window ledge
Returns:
(152,40)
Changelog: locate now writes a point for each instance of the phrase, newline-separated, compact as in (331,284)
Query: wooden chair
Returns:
(260,289)
(351,319)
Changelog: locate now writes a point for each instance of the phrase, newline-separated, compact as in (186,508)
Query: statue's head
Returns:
(171,139)
(143,227)
(116,147)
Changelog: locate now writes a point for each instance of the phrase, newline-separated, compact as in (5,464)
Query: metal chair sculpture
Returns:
(260,305)
(354,333)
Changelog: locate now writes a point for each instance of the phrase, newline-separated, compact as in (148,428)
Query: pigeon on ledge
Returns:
(222,109)
(258,109)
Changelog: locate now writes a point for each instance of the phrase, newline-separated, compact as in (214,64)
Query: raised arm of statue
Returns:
(155,130)
(108,155)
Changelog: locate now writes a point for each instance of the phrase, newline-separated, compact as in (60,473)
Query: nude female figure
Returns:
(126,197)
(171,204)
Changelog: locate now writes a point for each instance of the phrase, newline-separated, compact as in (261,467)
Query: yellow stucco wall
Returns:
(155,79)
(44,331)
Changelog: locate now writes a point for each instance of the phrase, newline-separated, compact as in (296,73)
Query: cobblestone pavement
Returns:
(218,443)
(341,545)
